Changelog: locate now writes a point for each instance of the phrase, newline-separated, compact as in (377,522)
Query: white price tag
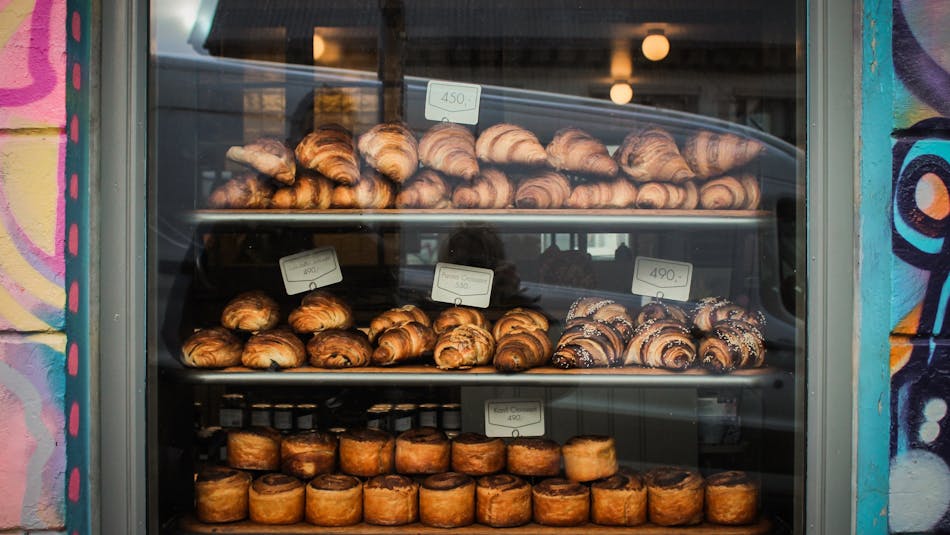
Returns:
(655,277)
(514,418)
(462,285)
(453,102)
(310,270)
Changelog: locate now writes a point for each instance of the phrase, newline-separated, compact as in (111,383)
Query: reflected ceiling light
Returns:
(319,46)
(621,64)
(621,93)
(655,45)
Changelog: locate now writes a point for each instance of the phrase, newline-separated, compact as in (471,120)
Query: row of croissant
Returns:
(646,171)
(716,334)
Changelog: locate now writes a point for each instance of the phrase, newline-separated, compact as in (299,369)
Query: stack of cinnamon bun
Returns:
(506,166)
(367,475)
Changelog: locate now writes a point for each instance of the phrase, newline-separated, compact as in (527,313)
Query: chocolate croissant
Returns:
(490,189)
(548,189)
(251,311)
(319,311)
(723,193)
(506,143)
(659,310)
(268,156)
(426,189)
(660,196)
(337,348)
(450,149)
(711,310)
(276,348)
(522,349)
(403,342)
(661,344)
(618,193)
(651,154)
(372,191)
(394,316)
(331,151)
(453,317)
(574,150)
(587,343)
(709,154)
(519,319)
(732,344)
(216,347)
(465,346)
(308,192)
(391,149)
(605,311)
(245,191)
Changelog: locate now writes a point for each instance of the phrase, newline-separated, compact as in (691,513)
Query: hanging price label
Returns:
(462,285)
(453,102)
(514,418)
(655,277)
(310,270)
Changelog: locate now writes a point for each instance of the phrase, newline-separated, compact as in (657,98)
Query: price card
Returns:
(462,285)
(514,418)
(310,270)
(655,277)
(453,102)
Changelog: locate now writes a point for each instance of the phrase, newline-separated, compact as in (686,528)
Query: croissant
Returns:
(732,344)
(245,191)
(605,311)
(522,349)
(449,148)
(251,311)
(403,342)
(268,156)
(306,193)
(395,316)
(549,189)
(451,318)
(426,189)
(330,150)
(337,348)
(587,343)
(320,311)
(276,348)
(490,189)
(690,197)
(658,310)
(464,347)
(618,193)
(506,143)
(709,154)
(651,154)
(660,195)
(215,347)
(711,310)
(661,344)
(723,193)
(372,191)
(753,194)
(519,319)
(391,149)
(574,150)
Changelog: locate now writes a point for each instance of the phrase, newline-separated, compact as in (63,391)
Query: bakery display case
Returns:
(524,267)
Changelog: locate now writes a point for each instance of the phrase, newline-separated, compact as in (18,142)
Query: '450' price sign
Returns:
(668,279)
(452,101)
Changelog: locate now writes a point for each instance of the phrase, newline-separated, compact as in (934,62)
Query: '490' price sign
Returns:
(453,102)
(668,279)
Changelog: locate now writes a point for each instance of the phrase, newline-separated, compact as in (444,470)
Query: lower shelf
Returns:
(190,525)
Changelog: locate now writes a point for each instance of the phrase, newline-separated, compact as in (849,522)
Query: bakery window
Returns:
(475,266)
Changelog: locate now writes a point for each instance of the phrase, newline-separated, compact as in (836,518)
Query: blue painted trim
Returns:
(876,259)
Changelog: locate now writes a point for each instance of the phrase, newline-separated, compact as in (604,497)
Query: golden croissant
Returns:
(506,143)
(426,189)
(618,193)
(394,316)
(450,149)
(331,151)
(245,191)
(660,195)
(723,193)
(268,156)
(574,150)
(709,154)
(319,311)
(651,154)
(463,347)
(451,318)
(519,319)
(372,191)
(403,342)
(491,189)
(548,189)
(307,192)
(391,149)
(522,349)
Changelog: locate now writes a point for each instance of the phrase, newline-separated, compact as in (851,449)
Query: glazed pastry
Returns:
(464,347)
(559,502)
(548,189)
(477,455)
(422,450)
(651,154)
(395,316)
(450,149)
(675,496)
(618,193)
(490,189)
(576,151)
(731,498)
(254,448)
(518,319)
(251,311)
(619,500)
(268,156)
(390,500)
(660,196)
(307,193)
(710,154)
(732,344)
(245,191)
(426,189)
(589,457)
(659,310)
(451,318)
(605,311)
(691,196)
(277,348)
(308,454)
(366,452)
(534,457)
(522,349)
(334,500)
(330,151)
(216,347)
(221,494)
(371,191)
(405,341)
(447,500)
(391,149)
(723,193)
(503,501)
(506,143)
(319,311)
(587,343)
(711,310)
(661,344)
(336,348)
(753,195)
(276,499)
